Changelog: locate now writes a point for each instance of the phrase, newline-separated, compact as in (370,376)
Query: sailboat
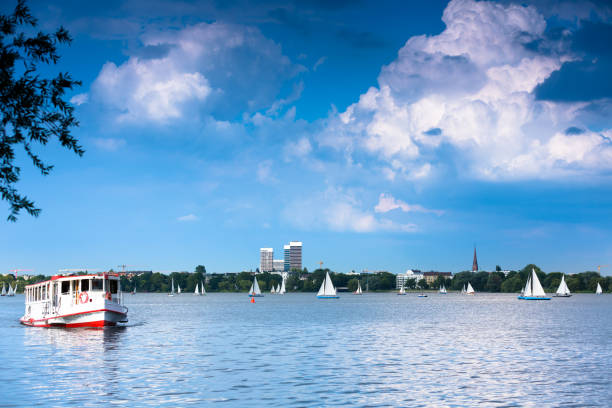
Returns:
(281,290)
(196,292)
(442,290)
(11,291)
(134,290)
(598,291)
(3,289)
(178,292)
(203,291)
(273,290)
(563,290)
(358,291)
(402,291)
(255,291)
(533,289)
(463,289)
(327,290)
(171,289)
(469,290)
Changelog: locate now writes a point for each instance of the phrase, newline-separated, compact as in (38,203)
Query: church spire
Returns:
(475,263)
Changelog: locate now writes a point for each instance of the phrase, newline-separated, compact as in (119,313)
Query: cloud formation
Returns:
(217,68)
(188,218)
(468,93)
(338,210)
(386,203)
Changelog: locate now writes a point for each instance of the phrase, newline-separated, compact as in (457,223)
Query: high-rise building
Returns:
(287,261)
(295,255)
(278,265)
(266,263)
(475,262)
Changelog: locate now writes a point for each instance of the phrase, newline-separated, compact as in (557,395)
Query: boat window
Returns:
(113,286)
(84,285)
(43,291)
(65,287)
(96,284)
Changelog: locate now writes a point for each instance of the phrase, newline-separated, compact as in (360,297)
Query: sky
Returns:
(383,135)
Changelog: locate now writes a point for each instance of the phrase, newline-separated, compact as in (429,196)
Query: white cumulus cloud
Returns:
(188,218)
(469,91)
(386,203)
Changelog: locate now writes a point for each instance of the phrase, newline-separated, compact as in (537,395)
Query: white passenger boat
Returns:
(75,301)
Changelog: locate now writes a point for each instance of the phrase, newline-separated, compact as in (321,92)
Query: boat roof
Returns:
(102,275)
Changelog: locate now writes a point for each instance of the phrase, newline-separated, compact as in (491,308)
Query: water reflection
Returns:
(292,350)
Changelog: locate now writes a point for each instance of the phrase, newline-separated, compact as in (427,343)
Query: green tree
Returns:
(201,269)
(33,110)
(352,284)
(494,282)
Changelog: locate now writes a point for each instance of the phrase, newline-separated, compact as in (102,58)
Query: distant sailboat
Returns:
(402,291)
(273,290)
(255,291)
(134,291)
(563,290)
(327,290)
(203,291)
(3,289)
(598,291)
(469,290)
(533,289)
(358,291)
(282,289)
(178,292)
(171,289)
(463,289)
(11,291)
(196,292)
(442,290)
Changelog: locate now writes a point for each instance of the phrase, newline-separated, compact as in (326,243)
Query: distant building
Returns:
(403,278)
(475,262)
(287,258)
(431,277)
(278,265)
(266,263)
(295,255)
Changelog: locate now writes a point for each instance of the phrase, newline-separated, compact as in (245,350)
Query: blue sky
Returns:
(384,135)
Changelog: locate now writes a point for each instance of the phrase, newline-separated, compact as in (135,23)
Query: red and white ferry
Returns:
(75,301)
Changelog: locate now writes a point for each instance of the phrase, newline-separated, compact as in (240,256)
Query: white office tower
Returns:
(266,263)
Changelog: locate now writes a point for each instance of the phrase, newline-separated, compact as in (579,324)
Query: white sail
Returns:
(527,288)
(203,291)
(179,289)
(273,290)
(463,288)
(255,288)
(172,287)
(197,290)
(536,288)
(282,289)
(442,289)
(470,289)
(402,290)
(598,291)
(3,289)
(327,287)
(11,291)
(563,290)
(251,290)
(358,291)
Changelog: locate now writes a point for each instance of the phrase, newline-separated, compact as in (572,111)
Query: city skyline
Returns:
(385,135)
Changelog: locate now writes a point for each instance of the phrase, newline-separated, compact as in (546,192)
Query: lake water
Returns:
(295,350)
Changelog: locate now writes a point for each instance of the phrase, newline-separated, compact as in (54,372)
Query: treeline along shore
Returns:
(304,281)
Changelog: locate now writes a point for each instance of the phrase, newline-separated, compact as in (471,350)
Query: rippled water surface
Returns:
(295,350)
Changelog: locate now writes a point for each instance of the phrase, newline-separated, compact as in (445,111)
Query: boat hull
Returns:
(422,296)
(328,297)
(252,295)
(95,318)
(533,298)
(562,295)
